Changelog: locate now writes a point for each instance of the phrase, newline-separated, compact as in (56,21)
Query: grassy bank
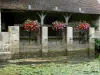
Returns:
(86,68)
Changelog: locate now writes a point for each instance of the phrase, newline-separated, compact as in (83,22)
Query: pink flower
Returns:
(58,25)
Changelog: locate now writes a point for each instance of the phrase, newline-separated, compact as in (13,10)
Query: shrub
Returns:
(99,57)
(97,44)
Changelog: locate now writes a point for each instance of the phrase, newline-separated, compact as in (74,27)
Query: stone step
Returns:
(5,55)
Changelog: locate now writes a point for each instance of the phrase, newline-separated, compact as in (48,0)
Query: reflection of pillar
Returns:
(44,40)
(91,42)
(0,20)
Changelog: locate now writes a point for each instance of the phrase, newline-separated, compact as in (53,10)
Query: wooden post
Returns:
(29,37)
(44,35)
(64,39)
(38,37)
(42,16)
(67,17)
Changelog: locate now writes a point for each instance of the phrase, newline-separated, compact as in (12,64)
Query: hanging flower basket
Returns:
(31,25)
(58,25)
(83,26)
(83,30)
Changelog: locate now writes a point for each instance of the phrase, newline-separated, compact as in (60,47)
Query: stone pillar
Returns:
(69,38)
(4,41)
(14,40)
(97,32)
(44,41)
(99,23)
(0,20)
(69,41)
(91,42)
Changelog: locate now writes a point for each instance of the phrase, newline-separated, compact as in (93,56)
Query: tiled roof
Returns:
(78,6)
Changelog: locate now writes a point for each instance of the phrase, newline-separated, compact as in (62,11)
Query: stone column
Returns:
(99,23)
(14,40)
(44,35)
(0,20)
(91,42)
(44,41)
(69,41)
(42,16)
(69,38)
(97,32)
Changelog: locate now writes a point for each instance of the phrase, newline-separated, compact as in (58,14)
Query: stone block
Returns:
(44,40)
(69,38)
(5,55)
(14,38)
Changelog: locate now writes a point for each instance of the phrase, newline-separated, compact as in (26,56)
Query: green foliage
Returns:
(99,57)
(97,44)
(10,70)
(86,68)
(92,25)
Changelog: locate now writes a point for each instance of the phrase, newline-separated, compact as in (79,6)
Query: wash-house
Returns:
(15,41)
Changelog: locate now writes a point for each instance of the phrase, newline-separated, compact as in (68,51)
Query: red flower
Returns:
(30,25)
(83,26)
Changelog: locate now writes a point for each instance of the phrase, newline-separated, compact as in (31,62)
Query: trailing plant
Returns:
(57,25)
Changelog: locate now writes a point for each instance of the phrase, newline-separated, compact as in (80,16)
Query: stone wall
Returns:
(14,39)
(4,44)
(50,47)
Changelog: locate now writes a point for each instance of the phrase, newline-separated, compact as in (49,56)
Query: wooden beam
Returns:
(42,16)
